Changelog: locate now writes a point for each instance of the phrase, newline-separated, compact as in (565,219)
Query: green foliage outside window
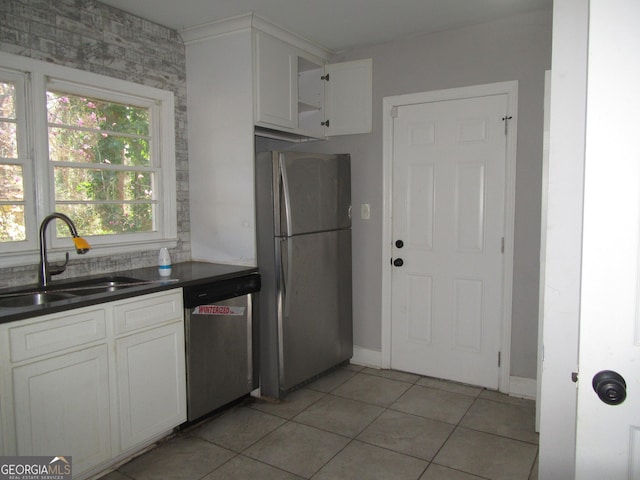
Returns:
(103,173)
(12,221)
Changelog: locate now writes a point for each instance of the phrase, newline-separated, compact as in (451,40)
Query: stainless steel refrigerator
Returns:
(303,205)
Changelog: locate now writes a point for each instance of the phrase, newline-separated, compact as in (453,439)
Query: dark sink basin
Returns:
(33,298)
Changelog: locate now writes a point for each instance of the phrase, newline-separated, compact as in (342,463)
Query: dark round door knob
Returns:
(398,262)
(610,387)
(399,244)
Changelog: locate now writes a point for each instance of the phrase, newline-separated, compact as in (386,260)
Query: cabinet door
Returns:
(151,383)
(348,97)
(62,407)
(276,82)
(311,98)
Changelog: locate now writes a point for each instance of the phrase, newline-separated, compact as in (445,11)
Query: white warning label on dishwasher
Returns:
(218,310)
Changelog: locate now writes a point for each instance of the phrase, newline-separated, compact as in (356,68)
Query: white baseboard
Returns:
(518,386)
(523,387)
(366,357)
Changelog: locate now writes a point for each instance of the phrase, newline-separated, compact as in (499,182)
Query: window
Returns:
(103,172)
(11,171)
(98,149)
(15,178)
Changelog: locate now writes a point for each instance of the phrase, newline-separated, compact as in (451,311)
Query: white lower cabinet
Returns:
(62,407)
(150,367)
(90,392)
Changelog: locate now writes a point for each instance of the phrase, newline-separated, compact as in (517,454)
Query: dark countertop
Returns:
(187,274)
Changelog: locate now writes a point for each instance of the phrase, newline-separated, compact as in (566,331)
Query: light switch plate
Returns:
(365,211)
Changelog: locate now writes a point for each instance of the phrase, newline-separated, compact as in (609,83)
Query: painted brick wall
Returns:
(91,36)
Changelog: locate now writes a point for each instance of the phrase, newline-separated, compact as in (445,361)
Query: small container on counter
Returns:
(164,263)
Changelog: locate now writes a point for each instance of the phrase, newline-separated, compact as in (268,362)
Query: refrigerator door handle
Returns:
(285,271)
(284,185)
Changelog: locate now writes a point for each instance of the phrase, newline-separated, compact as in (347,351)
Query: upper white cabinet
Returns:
(299,93)
(347,97)
(276,84)
(247,77)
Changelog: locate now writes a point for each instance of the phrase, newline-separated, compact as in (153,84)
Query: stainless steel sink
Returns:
(33,298)
(99,285)
(66,290)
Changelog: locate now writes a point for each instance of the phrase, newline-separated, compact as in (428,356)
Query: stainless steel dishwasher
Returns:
(221,343)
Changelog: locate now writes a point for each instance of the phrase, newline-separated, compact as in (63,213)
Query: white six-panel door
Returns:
(449,213)
(608,435)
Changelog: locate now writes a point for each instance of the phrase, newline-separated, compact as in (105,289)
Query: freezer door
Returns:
(314,193)
(315,321)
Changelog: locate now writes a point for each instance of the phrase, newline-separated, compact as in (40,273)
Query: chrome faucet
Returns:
(45,270)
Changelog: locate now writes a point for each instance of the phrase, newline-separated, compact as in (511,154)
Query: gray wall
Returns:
(91,36)
(517,48)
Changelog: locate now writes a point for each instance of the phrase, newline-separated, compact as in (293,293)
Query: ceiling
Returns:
(336,24)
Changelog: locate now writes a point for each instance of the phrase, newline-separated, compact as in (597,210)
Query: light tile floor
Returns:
(356,423)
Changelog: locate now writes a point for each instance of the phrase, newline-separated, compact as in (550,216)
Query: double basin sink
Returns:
(54,293)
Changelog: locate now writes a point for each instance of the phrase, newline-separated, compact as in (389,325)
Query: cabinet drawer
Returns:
(56,332)
(148,310)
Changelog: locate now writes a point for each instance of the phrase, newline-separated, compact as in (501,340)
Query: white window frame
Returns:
(43,75)
(20,80)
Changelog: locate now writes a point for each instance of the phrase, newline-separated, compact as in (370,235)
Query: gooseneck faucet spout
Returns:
(45,270)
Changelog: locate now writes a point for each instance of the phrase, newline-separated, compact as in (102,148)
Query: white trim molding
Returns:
(510,89)
(523,388)
(366,357)
(519,387)
(207,31)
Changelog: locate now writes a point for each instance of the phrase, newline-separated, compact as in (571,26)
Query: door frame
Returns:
(389,104)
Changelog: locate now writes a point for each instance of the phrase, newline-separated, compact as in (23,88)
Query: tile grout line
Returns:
(323,394)
(459,426)
(497,435)
(533,466)
(389,408)
(355,437)
(351,439)
(268,464)
(384,410)
(451,434)
(241,453)
(497,402)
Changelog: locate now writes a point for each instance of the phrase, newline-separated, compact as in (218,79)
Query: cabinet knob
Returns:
(325,124)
